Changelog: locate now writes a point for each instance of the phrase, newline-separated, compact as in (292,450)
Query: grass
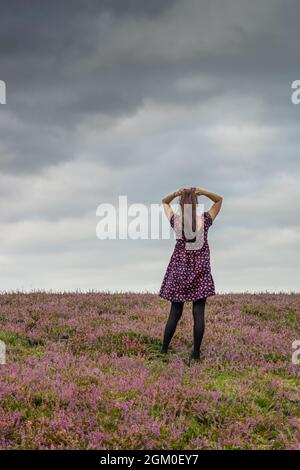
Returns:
(85,371)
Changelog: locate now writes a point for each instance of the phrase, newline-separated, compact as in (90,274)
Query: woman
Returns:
(188,277)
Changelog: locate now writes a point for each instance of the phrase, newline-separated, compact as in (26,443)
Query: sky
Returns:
(110,98)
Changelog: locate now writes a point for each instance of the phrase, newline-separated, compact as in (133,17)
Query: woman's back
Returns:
(188,276)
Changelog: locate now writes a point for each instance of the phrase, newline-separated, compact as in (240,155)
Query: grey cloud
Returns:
(65,64)
(140,98)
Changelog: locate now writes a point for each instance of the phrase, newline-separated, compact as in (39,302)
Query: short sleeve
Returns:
(172,220)
(209,220)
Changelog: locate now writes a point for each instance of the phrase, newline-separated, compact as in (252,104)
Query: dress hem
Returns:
(186,300)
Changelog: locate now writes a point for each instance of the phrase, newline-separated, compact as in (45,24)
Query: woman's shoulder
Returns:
(208,218)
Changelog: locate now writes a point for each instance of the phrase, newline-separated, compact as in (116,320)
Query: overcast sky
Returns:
(109,98)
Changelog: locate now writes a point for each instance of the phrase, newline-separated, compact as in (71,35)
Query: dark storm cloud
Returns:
(38,45)
(66,61)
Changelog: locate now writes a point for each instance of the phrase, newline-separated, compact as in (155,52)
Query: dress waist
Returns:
(182,244)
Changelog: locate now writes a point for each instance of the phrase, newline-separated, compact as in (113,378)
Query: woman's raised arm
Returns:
(216,198)
(166,202)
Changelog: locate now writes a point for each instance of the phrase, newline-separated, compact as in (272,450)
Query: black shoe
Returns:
(164,351)
(195,357)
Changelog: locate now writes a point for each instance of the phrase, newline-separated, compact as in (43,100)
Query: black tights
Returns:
(199,324)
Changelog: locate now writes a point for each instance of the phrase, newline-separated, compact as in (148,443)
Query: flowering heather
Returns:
(84,371)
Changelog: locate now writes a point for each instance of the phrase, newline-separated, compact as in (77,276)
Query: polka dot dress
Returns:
(188,276)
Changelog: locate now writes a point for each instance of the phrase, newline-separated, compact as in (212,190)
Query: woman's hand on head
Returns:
(198,191)
(179,192)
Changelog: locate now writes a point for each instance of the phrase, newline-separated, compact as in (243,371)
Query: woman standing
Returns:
(188,276)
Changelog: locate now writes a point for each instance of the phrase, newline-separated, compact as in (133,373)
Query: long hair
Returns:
(188,203)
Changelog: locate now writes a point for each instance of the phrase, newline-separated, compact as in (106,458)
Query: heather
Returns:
(84,371)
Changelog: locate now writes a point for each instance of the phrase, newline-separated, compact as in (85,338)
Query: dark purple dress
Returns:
(188,276)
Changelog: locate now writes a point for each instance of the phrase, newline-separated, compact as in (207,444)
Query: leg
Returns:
(199,325)
(174,316)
